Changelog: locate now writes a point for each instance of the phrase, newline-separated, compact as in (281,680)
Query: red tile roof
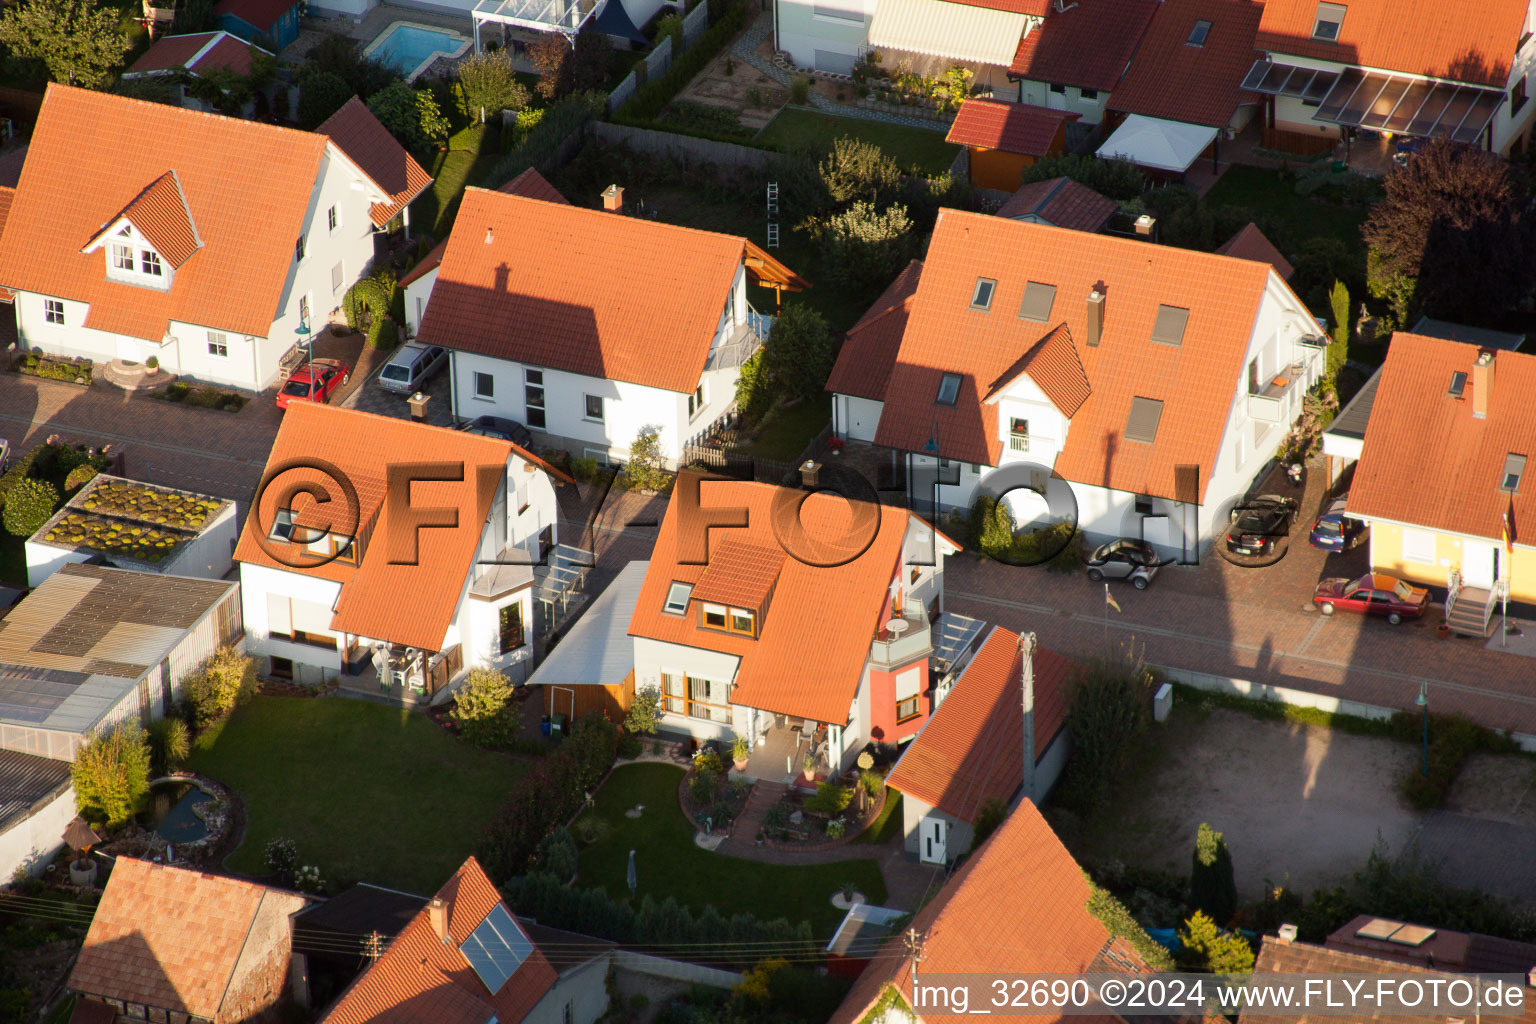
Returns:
(1473,42)
(1196,380)
(88,1011)
(1053,365)
(1062,202)
(1010,127)
(1427,461)
(261,14)
(530,183)
(740,574)
(864,362)
(368,144)
(1172,80)
(1036,8)
(181,53)
(961,758)
(1251,244)
(360,445)
(421,979)
(160,214)
(827,613)
(247,187)
(1019,905)
(1087,45)
(7,196)
(170,938)
(585,291)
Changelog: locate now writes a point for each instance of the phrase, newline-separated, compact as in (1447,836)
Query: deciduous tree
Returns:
(800,351)
(111,775)
(79,42)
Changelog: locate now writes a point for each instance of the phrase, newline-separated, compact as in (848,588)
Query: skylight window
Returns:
(1038,300)
(1198,33)
(1458,384)
(1142,423)
(1169,328)
(677,598)
(1514,469)
(496,948)
(981,298)
(1330,20)
(949,389)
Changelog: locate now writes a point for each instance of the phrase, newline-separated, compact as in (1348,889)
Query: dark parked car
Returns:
(1259,525)
(1372,594)
(501,429)
(1334,531)
(1124,559)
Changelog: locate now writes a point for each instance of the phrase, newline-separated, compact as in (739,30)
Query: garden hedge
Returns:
(648,101)
(29,505)
(542,143)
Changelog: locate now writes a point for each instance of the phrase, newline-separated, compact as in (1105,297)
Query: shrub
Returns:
(411,115)
(366,306)
(169,743)
(79,477)
(630,746)
(282,857)
(992,814)
(830,798)
(1120,180)
(645,712)
(1214,950)
(111,775)
(836,828)
(708,761)
(800,91)
(29,505)
(643,470)
(1110,706)
(320,95)
(484,710)
(550,56)
(488,85)
(754,388)
(864,247)
(800,351)
(722,813)
(219,684)
(307,879)
(1212,888)
(872,782)
(776,817)
(703,786)
(557,854)
(858,170)
(865,760)
(341,56)
(584,469)
(541,145)
(991,526)
(1338,350)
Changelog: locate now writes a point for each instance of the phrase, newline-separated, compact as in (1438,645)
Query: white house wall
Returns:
(416,294)
(1089,107)
(857,418)
(582,990)
(821,40)
(652,657)
(210,554)
(32,841)
(310,664)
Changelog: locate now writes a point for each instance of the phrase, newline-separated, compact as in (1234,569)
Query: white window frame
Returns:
(678,595)
(338,276)
(586,409)
(301,249)
(534,380)
(150,265)
(124,260)
(696,402)
(304,310)
(53,312)
(333,218)
(489,393)
(1415,544)
(218,344)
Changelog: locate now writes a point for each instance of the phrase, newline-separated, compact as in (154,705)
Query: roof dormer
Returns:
(150,238)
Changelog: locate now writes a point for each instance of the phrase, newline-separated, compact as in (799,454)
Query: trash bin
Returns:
(558,724)
(544,725)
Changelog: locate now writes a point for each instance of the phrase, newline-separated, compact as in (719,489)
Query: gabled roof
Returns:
(1035,8)
(1175,81)
(1473,42)
(1251,244)
(1053,365)
(1196,379)
(530,183)
(170,938)
(160,214)
(584,291)
(260,14)
(864,362)
(423,979)
(970,751)
(1010,127)
(1427,461)
(1062,202)
(368,144)
(1088,45)
(247,187)
(830,612)
(360,446)
(1019,904)
(200,53)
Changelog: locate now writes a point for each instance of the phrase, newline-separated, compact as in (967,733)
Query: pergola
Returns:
(563,16)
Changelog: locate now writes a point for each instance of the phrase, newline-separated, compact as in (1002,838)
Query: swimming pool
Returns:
(410,49)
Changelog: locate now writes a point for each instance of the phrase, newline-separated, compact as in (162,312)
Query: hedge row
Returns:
(649,100)
(547,796)
(665,926)
(560,121)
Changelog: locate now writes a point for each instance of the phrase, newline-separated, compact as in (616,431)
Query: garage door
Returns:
(834,63)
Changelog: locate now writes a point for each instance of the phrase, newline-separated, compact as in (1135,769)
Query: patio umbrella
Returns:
(634,882)
(79,837)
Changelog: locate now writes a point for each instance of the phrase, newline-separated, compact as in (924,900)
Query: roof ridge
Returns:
(236,123)
(587,210)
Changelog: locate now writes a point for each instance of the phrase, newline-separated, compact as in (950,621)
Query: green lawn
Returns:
(468,160)
(369,793)
(669,864)
(913,148)
(884,828)
(789,430)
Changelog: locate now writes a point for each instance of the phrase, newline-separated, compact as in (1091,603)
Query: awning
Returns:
(950,30)
(614,20)
(565,16)
(1379,101)
(597,649)
(1158,144)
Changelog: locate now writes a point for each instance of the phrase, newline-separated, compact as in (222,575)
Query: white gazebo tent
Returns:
(1160,145)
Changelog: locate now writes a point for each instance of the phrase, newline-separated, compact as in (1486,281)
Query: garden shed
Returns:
(593,666)
(1003,139)
(270,24)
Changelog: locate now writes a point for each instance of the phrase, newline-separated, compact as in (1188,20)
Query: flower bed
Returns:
(204,396)
(36,364)
(819,831)
(707,792)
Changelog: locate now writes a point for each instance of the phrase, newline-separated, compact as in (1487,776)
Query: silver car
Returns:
(1124,559)
(412,366)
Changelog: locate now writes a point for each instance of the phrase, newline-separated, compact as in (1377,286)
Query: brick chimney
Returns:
(613,199)
(1287,933)
(1095,315)
(437,916)
(1482,384)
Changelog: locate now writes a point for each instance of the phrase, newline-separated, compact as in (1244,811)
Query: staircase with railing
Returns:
(1469,610)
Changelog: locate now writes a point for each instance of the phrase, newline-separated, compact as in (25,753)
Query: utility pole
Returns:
(914,940)
(1027,682)
(373,946)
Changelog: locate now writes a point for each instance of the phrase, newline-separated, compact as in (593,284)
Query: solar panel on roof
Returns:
(1298,83)
(1477,119)
(496,948)
(1256,75)
(1386,103)
(1319,86)
(1379,928)
(1328,109)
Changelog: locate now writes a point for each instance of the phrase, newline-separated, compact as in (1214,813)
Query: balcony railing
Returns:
(897,648)
(736,350)
(1274,400)
(1018,442)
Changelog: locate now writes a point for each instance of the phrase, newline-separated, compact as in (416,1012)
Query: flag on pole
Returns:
(1509,527)
(1110,600)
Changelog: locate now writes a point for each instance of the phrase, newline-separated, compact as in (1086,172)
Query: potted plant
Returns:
(808,767)
(740,751)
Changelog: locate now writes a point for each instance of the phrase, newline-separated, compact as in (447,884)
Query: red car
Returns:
(314,383)
(1372,594)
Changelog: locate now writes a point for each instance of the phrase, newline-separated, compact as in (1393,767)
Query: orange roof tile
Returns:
(160,214)
(831,611)
(585,291)
(1251,244)
(1473,42)
(170,938)
(1053,365)
(247,187)
(1087,45)
(1172,80)
(1427,461)
(530,183)
(1010,127)
(864,362)
(422,979)
(1019,905)
(1036,8)
(968,752)
(360,446)
(740,574)
(1062,202)
(1196,379)
(7,195)
(368,144)
(200,52)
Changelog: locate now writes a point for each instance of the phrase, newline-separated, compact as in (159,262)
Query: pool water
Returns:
(409,48)
(170,812)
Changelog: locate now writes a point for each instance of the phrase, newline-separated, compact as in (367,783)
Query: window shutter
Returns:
(278,618)
(311,616)
(907,684)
